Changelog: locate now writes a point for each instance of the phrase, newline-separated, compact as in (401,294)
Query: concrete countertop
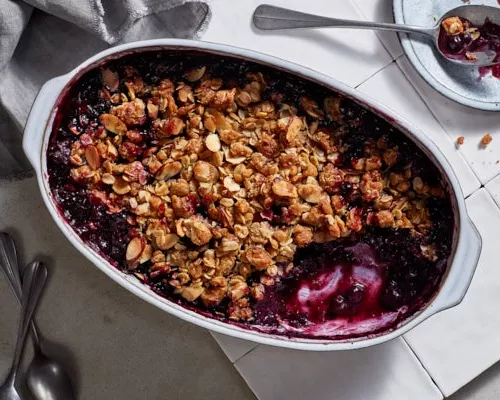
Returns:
(116,345)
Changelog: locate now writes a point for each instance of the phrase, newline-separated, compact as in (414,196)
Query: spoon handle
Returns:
(34,282)
(269,17)
(10,265)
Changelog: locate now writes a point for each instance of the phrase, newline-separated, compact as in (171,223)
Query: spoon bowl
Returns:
(487,51)
(267,17)
(47,379)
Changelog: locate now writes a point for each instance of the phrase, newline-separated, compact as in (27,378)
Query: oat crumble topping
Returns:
(221,184)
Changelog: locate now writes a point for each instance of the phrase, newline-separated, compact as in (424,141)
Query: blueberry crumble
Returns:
(460,39)
(250,195)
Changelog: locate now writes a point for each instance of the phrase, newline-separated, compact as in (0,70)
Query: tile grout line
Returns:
(423,367)
(244,355)
(377,32)
(488,192)
(375,73)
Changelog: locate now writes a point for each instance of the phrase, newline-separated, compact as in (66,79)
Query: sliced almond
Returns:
(169,170)
(93,157)
(209,123)
(310,192)
(195,74)
(205,172)
(121,186)
(221,122)
(295,126)
(108,179)
(165,241)
(113,124)
(152,110)
(233,160)
(110,78)
(228,245)
(142,209)
(284,189)
(213,142)
(134,251)
(191,293)
(231,185)
(111,150)
(146,254)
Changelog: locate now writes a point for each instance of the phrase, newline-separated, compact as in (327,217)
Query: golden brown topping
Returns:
(205,172)
(131,113)
(110,79)
(222,184)
(453,25)
(168,170)
(331,178)
(198,231)
(195,74)
(284,189)
(92,156)
(135,249)
(179,187)
(486,140)
(311,193)
(168,127)
(303,236)
(213,142)
(113,124)
(121,186)
(258,257)
(191,293)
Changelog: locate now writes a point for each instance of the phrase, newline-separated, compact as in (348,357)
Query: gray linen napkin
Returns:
(40,39)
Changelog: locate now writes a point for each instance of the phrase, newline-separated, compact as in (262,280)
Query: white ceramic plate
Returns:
(462,84)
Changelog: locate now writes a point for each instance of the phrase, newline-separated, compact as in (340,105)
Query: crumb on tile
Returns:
(486,140)
(460,140)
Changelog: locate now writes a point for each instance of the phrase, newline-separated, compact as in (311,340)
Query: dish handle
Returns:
(460,277)
(39,117)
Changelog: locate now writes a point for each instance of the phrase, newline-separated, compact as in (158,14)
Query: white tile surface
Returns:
(459,344)
(458,120)
(348,55)
(392,89)
(232,347)
(381,11)
(385,372)
(493,188)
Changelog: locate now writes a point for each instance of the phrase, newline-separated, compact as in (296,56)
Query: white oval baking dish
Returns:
(467,241)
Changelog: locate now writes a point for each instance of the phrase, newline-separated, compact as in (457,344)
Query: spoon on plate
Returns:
(452,45)
(34,281)
(47,379)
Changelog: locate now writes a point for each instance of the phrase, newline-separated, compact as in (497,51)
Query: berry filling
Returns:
(249,195)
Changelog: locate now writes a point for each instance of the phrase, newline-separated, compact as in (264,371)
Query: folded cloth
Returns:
(40,39)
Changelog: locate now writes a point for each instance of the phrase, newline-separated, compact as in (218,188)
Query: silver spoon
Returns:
(46,378)
(268,17)
(34,281)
